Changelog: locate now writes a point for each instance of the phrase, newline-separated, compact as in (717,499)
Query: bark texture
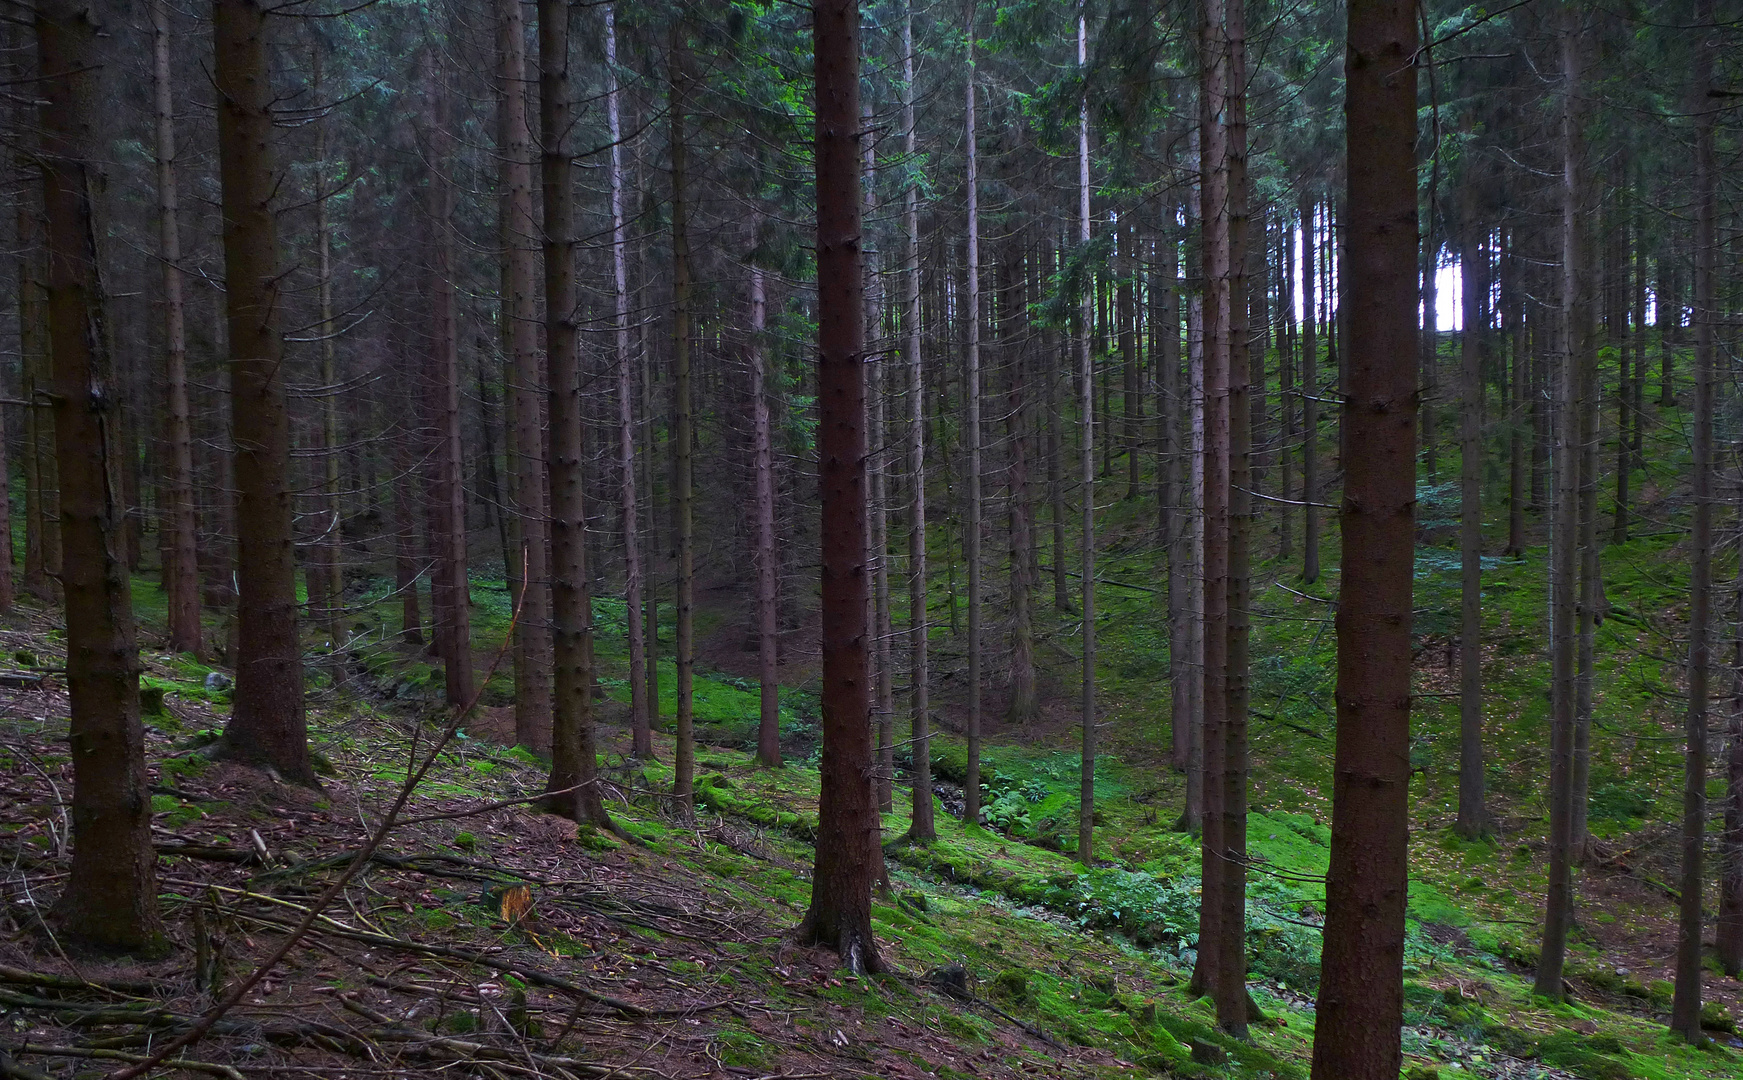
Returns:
(268,726)
(1361,999)
(848,855)
(110,900)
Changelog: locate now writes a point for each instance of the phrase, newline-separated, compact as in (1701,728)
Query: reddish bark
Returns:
(1361,996)
(847,819)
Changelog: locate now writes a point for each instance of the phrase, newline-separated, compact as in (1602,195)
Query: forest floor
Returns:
(489,938)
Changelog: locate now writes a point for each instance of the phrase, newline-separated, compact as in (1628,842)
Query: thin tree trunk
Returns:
(684,754)
(883,704)
(1286,391)
(848,855)
(1126,314)
(1361,991)
(268,726)
(182,577)
(1207,976)
(1231,991)
(971,783)
(641,728)
(1430,349)
(520,329)
(1729,932)
(1309,396)
(768,599)
(1472,817)
(33,361)
(1024,705)
(1512,306)
(1174,411)
(110,899)
(450,591)
(1575,334)
(1086,552)
(1685,1009)
(921,828)
(574,761)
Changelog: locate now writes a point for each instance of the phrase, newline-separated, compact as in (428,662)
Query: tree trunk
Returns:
(1309,395)
(574,762)
(450,591)
(768,599)
(1685,1009)
(182,576)
(921,828)
(1430,347)
(1512,306)
(683,440)
(1192,820)
(1086,552)
(883,704)
(1575,335)
(268,726)
(641,727)
(1361,1000)
(33,360)
(972,434)
(520,329)
(1231,989)
(1729,932)
(847,821)
(110,899)
(1024,705)
(1126,314)
(1176,498)
(1473,818)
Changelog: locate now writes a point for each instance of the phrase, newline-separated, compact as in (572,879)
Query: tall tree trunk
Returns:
(110,899)
(1361,991)
(520,329)
(1575,335)
(1513,324)
(1309,395)
(182,577)
(325,574)
(883,703)
(268,726)
(768,599)
(1685,1009)
(1430,345)
(33,360)
(921,828)
(971,301)
(1126,314)
(1618,333)
(1176,498)
(450,591)
(1214,255)
(1050,345)
(1086,542)
(1231,989)
(683,440)
(1729,932)
(1024,705)
(847,821)
(1473,818)
(641,728)
(574,761)
(1192,820)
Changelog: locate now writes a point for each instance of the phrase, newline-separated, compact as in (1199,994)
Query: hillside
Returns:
(489,936)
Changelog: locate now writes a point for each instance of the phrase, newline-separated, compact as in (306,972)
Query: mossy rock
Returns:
(151,701)
(1012,985)
(1422,1072)
(1510,1040)
(1714,1017)
(1583,1056)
